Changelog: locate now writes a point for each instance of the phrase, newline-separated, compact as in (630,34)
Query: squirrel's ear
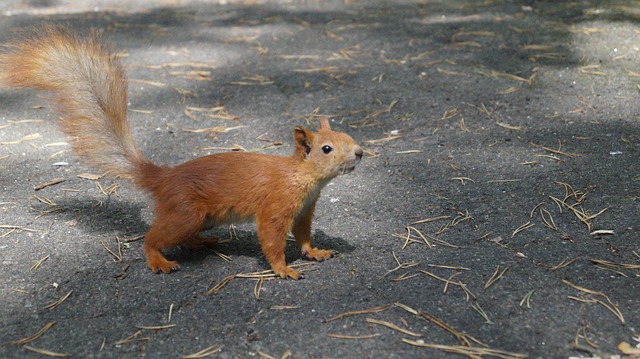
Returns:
(324,123)
(303,139)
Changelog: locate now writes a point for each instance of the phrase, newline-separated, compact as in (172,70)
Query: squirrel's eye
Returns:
(326,149)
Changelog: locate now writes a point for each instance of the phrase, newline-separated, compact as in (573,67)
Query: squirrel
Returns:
(89,89)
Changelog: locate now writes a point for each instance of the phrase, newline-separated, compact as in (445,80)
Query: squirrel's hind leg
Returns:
(169,230)
(156,261)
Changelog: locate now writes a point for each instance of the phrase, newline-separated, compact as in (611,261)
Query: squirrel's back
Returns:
(88,87)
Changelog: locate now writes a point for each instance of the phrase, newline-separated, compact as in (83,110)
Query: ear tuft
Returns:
(324,123)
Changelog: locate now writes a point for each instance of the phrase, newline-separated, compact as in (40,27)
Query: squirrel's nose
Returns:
(359,152)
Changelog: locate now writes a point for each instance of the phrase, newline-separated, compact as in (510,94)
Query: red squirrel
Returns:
(89,89)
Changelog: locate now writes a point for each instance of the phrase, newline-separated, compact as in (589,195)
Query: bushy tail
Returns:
(88,88)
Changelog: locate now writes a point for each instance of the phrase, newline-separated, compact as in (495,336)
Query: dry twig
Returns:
(55,304)
(381,308)
(393,327)
(469,351)
(45,352)
(31,338)
(497,275)
(609,305)
(209,351)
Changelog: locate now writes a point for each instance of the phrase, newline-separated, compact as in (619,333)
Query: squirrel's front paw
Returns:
(317,254)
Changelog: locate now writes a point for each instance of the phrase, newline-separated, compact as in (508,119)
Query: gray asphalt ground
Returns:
(495,213)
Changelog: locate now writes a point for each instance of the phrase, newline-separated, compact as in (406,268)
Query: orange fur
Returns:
(88,86)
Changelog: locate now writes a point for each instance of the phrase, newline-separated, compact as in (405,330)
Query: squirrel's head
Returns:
(328,152)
